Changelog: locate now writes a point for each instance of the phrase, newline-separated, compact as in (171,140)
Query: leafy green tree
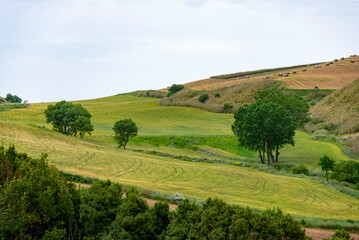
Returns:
(124,130)
(296,105)
(69,118)
(36,203)
(174,88)
(327,164)
(134,220)
(99,207)
(264,127)
(161,215)
(13,98)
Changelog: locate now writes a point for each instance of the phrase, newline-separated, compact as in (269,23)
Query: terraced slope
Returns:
(334,76)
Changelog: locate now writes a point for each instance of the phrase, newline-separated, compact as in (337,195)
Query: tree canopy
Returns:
(13,98)
(264,127)
(124,130)
(174,88)
(327,164)
(68,118)
(296,105)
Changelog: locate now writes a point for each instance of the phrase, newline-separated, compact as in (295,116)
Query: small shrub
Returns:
(176,198)
(217,95)
(317,120)
(204,97)
(227,106)
(341,235)
(300,169)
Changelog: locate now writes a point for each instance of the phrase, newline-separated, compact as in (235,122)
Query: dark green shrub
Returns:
(341,235)
(174,88)
(300,169)
(217,95)
(13,98)
(346,171)
(203,97)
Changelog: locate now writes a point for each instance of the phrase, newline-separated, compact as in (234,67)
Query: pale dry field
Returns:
(334,76)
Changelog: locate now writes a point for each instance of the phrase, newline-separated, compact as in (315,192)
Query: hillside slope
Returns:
(333,76)
(340,108)
(98,156)
(238,89)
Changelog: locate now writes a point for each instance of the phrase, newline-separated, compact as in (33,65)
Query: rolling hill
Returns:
(180,150)
(333,76)
(238,89)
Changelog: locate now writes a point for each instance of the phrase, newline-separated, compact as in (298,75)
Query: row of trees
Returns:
(37,203)
(269,123)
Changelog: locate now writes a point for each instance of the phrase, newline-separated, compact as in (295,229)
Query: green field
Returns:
(176,131)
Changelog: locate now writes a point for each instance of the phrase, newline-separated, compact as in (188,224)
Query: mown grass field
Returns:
(190,132)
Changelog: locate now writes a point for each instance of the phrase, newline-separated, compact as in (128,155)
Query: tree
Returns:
(264,127)
(13,98)
(327,164)
(174,88)
(124,130)
(36,202)
(296,105)
(69,118)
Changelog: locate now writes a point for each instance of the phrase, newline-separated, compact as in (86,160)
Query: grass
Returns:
(8,106)
(179,131)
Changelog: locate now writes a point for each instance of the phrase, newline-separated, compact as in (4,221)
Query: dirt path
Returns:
(315,233)
(319,234)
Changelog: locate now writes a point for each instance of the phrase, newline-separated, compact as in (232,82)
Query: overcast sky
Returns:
(53,50)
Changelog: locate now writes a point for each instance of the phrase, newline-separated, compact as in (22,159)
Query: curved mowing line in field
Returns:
(137,166)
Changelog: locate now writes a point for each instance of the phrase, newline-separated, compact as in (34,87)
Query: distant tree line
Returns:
(36,202)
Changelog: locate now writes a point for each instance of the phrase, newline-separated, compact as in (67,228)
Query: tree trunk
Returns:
(326,174)
(260,155)
(277,154)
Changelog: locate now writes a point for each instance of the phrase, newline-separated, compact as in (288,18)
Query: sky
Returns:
(52,50)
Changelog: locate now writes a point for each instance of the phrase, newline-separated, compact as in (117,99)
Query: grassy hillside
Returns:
(152,160)
(341,108)
(235,95)
(239,88)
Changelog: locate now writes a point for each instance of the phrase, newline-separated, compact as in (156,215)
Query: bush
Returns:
(300,169)
(177,198)
(217,95)
(346,171)
(227,106)
(174,88)
(203,97)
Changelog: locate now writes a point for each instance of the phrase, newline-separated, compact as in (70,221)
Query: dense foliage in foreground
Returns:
(37,203)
